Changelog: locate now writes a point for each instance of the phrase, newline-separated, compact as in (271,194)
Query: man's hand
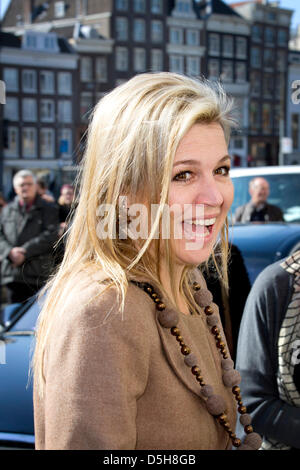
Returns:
(17,255)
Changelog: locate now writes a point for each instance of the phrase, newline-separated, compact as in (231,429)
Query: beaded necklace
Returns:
(215,404)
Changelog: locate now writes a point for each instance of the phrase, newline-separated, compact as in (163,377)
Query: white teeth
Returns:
(202,222)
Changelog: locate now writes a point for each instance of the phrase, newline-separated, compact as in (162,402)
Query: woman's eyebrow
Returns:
(196,162)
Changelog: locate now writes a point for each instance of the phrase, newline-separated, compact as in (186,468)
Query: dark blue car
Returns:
(264,243)
(16,347)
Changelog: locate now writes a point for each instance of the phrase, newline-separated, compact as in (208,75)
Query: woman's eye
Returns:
(223,171)
(183,176)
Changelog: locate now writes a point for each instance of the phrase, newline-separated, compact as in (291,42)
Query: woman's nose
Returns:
(209,193)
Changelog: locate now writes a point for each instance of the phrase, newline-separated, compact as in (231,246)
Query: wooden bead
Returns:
(237,442)
(208,310)
(200,379)
(222,418)
(148,289)
(179,338)
(157,301)
(242,410)
(154,295)
(236,389)
(175,331)
(160,306)
(196,286)
(227,427)
(248,429)
(185,350)
(196,370)
(215,330)
(220,344)
(232,435)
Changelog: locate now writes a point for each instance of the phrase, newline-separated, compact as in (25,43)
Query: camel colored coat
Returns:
(121,383)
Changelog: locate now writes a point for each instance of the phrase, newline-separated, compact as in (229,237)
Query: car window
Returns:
(284,193)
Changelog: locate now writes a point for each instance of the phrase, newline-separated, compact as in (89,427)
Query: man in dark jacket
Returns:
(258,209)
(28,231)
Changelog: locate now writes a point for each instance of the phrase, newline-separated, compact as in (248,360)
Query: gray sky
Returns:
(292,4)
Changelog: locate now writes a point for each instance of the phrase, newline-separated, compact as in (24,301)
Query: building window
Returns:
(156,6)
(156,60)
(281,60)
(276,117)
(227,71)
(183,7)
(295,130)
(255,81)
(269,35)
(122,59)
(86,69)
(254,115)
(256,33)
(65,143)
(59,9)
(269,58)
(139,60)
(29,142)
(29,110)
(29,81)
(241,48)
(121,29)
(214,44)
(193,66)
(282,37)
(11,109)
(156,31)
(266,118)
(139,6)
(227,46)
(64,80)
(240,72)
(86,105)
(12,148)
(255,57)
(47,110)
(213,69)
(47,82)
(139,30)
(268,85)
(65,111)
(176,35)
(10,77)
(122,5)
(101,69)
(176,63)
(47,142)
(192,37)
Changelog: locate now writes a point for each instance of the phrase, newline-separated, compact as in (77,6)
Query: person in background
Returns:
(232,302)
(2,202)
(42,190)
(65,202)
(268,354)
(28,231)
(258,209)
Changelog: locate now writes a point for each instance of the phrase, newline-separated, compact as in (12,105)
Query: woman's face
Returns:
(201,192)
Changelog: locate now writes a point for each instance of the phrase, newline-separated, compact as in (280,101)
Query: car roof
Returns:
(265,170)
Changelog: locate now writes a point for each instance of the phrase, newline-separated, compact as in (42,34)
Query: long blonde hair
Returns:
(132,140)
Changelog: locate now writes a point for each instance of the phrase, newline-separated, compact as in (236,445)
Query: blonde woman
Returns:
(130,352)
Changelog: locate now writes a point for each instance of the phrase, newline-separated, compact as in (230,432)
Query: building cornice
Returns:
(104,46)
(185,50)
(13,56)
